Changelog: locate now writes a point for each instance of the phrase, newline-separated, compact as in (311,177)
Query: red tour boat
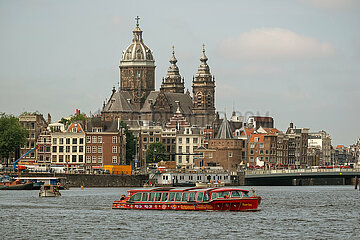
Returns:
(197,199)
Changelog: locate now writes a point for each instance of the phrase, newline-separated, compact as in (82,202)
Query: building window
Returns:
(61,158)
(266,151)
(99,159)
(68,141)
(114,149)
(88,149)
(252,152)
(54,158)
(151,139)
(180,159)
(74,141)
(54,149)
(93,159)
(187,149)
(88,159)
(210,155)
(81,158)
(88,139)
(195,140)
(74,149)
(94,139)
(180,140)
(144,139)
(114,159)
(157,139)
(100,139)
(47,149)
(61,149)
(61,141)
(81,140)
(73,158)
(230,154)
(81,149)
(114,139)
(252,145)
(54,140)
(261,152)
(180,149)
(94,149)
(67,149)
(187,140)
(261,145)
(99,149)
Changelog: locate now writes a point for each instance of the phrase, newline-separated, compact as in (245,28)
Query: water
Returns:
(306,212)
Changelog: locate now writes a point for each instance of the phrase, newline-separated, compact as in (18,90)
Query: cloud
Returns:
(274,44)
(333,4)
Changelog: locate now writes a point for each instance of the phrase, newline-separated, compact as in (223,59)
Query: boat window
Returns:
(185,197)
(171,197)
(207,196)
(136,197)
(144,197)
(200,196)
(164,197)
(236,194)
(178,197)
(213,196)
(151,196)
(192,196)
(157,197)
(246,194)
(223,194)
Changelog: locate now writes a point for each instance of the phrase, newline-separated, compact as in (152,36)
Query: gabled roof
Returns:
(171,99)
(120,101)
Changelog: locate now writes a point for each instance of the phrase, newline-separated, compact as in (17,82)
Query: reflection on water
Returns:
(308,212)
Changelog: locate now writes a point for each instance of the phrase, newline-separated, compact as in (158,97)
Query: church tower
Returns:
(204,92)
(137,69)
(173,82)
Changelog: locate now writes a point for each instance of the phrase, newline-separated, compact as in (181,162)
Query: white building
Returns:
(187,141)
(68,148)
(322,141)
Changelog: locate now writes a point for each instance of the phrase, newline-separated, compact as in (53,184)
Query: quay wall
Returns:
(95,180)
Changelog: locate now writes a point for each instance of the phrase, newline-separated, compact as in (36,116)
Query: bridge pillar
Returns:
(356,182)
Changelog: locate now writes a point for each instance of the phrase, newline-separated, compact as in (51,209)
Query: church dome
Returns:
(137,51)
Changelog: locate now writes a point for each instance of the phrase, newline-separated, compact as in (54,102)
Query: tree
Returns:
(12,135)
(156,153)
(131,143)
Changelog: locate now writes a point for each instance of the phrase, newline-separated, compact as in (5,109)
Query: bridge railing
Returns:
(309,170)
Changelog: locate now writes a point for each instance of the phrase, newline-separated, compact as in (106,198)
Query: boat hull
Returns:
(249,204)
(25,186)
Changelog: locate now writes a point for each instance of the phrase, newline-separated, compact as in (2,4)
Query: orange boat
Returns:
(197,199)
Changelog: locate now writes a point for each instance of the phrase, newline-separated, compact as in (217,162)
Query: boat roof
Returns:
(196,189)
(39,178)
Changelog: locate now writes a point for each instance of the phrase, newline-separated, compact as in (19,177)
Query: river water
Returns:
(303,212)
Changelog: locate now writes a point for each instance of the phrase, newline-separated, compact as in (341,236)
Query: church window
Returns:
(139,54)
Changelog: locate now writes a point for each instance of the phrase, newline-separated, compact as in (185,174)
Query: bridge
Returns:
(299,177)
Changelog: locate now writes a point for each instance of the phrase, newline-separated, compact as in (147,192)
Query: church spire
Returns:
(173,82)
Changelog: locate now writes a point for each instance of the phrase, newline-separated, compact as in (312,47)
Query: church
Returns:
(137,99)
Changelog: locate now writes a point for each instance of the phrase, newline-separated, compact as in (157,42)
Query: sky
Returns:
(297,61)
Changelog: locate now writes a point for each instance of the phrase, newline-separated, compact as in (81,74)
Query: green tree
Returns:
(12,135)
(156,153)
(131,143)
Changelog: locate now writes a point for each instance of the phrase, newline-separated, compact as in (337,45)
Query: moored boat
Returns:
(47,190)
(16,185)
(197,199)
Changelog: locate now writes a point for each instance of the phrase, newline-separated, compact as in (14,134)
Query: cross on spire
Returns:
(203,47)
(137,21)
(173,49)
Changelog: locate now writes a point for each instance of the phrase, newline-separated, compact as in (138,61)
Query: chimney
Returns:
(291,125)
(49,118)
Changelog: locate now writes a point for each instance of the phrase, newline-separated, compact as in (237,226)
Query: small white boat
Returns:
(210,184)
(49,191)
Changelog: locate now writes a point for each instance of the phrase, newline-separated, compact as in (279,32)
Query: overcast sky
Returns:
(292,60)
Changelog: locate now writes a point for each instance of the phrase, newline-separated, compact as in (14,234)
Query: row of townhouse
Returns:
(98,144)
